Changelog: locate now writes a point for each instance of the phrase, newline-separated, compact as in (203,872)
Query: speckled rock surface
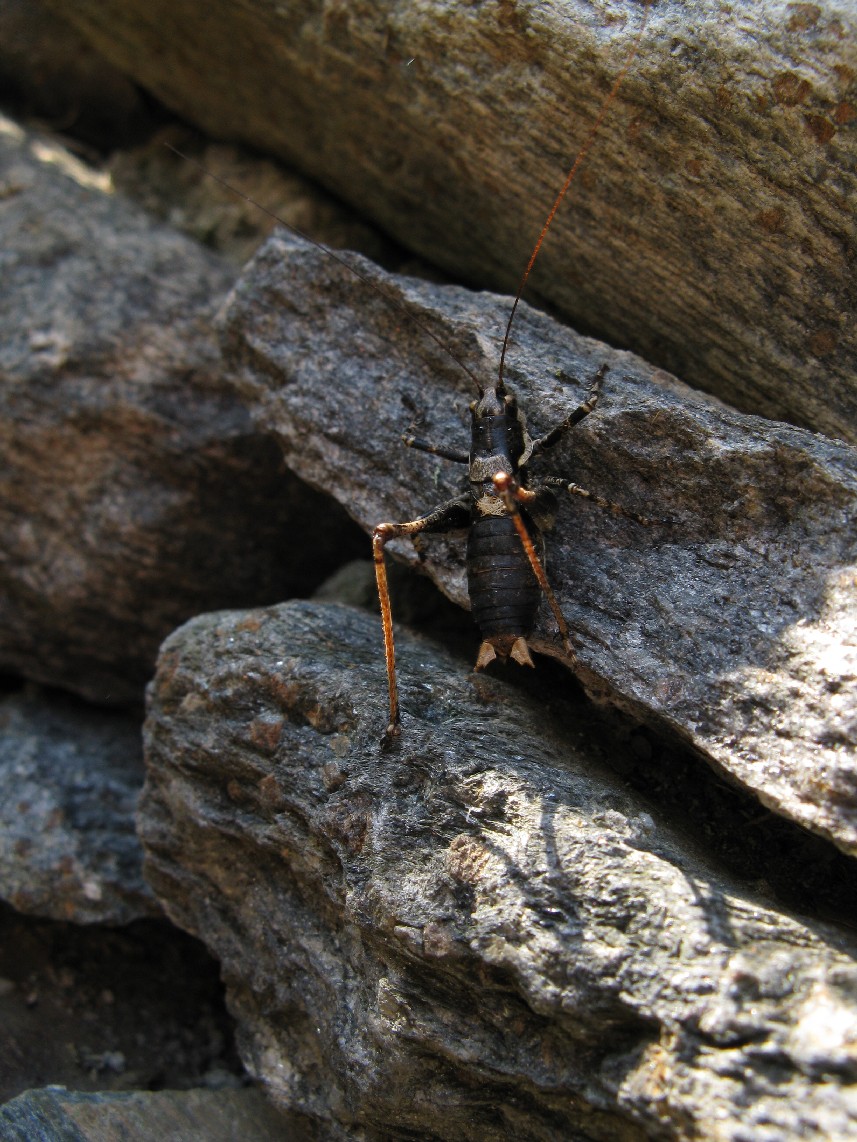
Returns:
(485,933)
(711,229)
(544,917)
(134,490)
(69,780)
(732,624)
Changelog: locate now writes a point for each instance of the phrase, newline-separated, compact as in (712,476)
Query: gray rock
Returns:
(710,230)
(484,934)
(730,626)
(134,490)
(58,1115)
(69,779)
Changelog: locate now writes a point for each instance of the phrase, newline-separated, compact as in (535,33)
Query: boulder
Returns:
(728,623)
(483,934)
(134,490)
(709,230)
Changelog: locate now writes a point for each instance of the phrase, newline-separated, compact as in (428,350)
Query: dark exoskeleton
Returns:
(504,516)
(505,519)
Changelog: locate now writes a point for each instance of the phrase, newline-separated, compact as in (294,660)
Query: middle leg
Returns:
(555,435)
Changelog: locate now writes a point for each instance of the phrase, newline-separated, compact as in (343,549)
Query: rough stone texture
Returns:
(56,1115)
(134,490)
(69,779)
(711,229)
(484,934)
(734,624)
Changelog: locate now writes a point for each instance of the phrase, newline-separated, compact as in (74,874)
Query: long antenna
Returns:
(388,297)
(581,155)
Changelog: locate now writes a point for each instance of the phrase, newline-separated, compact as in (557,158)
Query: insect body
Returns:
(505,519)
(504,516)
(504,593)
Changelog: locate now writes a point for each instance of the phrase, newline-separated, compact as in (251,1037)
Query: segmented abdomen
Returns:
(504,594)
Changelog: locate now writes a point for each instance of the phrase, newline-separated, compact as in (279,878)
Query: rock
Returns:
(134,490)
(732,625)
(482,934)
(69,779)
(709,229)
(58,1115)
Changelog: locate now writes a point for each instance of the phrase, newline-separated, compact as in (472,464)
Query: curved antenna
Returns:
(388,298)
(581,155)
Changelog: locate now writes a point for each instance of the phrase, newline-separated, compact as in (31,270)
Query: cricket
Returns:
(504,515)
(503,512)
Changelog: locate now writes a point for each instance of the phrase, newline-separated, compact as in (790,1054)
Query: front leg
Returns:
(573,418)
(451,516)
